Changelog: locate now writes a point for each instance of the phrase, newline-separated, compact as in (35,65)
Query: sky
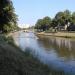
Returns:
(29,11)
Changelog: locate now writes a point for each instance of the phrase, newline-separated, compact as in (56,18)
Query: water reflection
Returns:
(63,47)
(58,53)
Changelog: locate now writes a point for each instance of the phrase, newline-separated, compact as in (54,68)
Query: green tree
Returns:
(63,18)
(54,23)
(73,18)
(7,15)
(43,24)
(60,18)
(67,15)
(46,23)
(38,24)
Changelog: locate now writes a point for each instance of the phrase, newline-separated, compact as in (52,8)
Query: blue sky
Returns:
(29,11)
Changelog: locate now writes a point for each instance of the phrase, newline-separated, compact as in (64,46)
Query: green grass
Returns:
(15,62)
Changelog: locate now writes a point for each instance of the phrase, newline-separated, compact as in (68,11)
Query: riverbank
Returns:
(59,34)
(13,61)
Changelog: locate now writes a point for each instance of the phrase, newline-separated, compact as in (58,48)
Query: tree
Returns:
(72,26)
(63,17)
(54,23)
(43,24)
(7,15)
(38,24)
(73,18)
(46,23)
(60,18)
(67,15)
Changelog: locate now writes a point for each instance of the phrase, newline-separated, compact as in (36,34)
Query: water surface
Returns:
(57,53)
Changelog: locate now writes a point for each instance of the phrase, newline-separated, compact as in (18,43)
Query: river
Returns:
(58,53)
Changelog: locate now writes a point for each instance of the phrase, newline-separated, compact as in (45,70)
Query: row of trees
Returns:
(43,24)
(8,18)
(60,19)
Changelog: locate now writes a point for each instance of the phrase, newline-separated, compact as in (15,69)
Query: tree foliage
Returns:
(63,17)
(43,24)
(8,18)
(60,19)
(73,18)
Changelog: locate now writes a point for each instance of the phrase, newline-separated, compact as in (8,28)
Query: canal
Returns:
(58,53)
